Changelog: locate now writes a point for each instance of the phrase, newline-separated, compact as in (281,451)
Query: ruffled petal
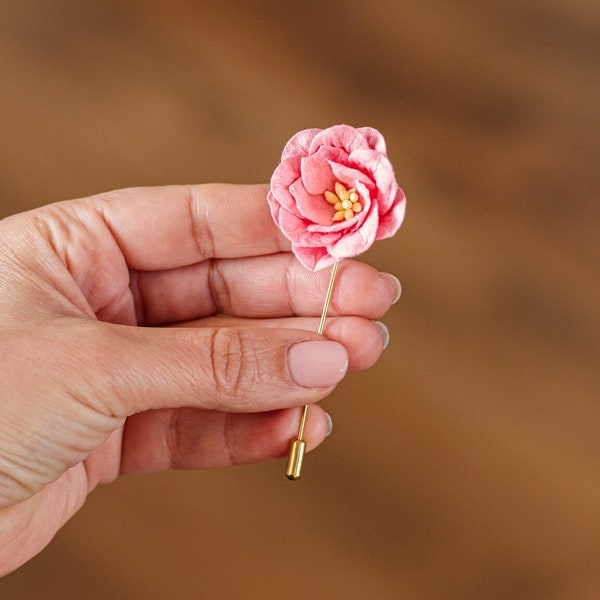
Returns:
(390,222)
(274,207)
(286,173)
(282,196)
(299,143)
(350,176)
(329,233)
(380,172)
(365,196)
(291,224)
(339,136)
(314,259)
(357,242)
(301,232)
(316,171)
(374,139)
(313,207)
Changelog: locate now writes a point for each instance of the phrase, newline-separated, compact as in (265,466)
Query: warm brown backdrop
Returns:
(466,464)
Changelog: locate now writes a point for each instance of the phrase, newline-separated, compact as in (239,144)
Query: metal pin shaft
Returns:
(298,446)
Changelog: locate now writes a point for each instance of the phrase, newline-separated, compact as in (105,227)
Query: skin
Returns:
(148,329)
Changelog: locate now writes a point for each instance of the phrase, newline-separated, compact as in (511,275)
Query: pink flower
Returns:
(334,193)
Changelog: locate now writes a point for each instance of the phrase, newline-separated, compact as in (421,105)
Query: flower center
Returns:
(345,202)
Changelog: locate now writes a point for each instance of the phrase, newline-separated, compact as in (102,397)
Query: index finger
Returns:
(178,225)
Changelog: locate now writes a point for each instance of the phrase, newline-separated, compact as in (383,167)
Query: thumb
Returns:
(73,381)
(130,370)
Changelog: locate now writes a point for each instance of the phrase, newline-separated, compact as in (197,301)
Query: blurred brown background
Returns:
(466,464)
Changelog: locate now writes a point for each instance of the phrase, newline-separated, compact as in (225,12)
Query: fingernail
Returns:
(329,424)
(317,364)
(384,331)
(396,286)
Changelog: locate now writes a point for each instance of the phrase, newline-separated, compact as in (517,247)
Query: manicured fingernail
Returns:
(329,424)
(384,331)
(396,286)
(317,364)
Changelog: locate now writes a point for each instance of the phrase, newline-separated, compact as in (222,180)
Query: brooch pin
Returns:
(332,195)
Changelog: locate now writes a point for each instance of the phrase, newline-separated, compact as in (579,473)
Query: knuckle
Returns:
(234,365)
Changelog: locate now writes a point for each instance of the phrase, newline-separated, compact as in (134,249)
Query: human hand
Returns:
(98,382)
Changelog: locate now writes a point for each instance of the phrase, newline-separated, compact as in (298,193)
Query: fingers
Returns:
(364,340)
(120,371)
(194,439)
(173,226)
(261,287)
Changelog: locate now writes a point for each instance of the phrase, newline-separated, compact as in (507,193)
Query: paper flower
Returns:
(334,193)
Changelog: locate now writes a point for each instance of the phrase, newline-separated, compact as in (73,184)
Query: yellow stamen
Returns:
(339,189)
(331,197)
(346,202)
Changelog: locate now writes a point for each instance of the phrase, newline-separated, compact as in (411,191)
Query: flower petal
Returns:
(390,222)
(314,259)
(283,177)
(316,172)
(311,206)
(365,196)
(374,139)
(299,143)
(380,172)
(291,224)
(302,232)
(350,176)
(358,241)
(339,136)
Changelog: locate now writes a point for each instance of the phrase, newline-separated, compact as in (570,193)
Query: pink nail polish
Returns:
(317,364)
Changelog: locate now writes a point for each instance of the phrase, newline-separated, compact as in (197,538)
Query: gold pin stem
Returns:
(328,298)
(302,422)
(298,446)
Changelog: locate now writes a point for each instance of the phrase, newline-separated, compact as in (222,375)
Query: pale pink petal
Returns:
(325,261)
(283,197)
(291,224)
(275,208)
(287,170)
(309,239)
(316,175)
(350,176)
(311,206)
(299,143)
(298,231)
(314,259)
(380,172)
(365,197)
(283,177)
(316,172)
(391,221)
(330,233)
(374,139)
(339,136)
(357,242)
(337,229)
